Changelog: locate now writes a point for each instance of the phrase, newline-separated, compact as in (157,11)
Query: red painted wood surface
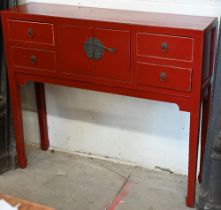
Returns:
(73,59)
(118,62)
(42,115)
(117,16)
(31,31)
(39,60)
(162,57)
(172,77)
(180,48)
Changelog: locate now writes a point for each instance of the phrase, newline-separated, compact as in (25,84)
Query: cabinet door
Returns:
(71,47)
(116,64)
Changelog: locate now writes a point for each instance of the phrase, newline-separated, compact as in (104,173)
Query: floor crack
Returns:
(112,170)
(122,192)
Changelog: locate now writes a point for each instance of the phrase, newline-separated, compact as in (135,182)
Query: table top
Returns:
(115,15)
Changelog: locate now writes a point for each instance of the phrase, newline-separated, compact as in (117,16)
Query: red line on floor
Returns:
(117,200)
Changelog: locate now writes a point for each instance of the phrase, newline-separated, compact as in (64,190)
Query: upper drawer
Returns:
(34,32)
(165,46)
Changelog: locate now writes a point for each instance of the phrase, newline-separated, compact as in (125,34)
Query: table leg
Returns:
(205,122)
(18,122)
(42,115)
(193,155)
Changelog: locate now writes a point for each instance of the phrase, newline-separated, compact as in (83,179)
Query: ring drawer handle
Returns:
(163,76)
(30,32)
(164,47)
(33,59)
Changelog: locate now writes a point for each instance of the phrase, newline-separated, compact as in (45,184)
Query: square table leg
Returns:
(205,122)
(42,114)
(17,121)
(193,156)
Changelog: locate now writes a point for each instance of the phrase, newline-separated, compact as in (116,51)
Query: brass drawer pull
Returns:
(164,47)
(30,32)
(163,76)
(33,59)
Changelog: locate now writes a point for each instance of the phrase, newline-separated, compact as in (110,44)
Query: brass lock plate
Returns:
(94,48)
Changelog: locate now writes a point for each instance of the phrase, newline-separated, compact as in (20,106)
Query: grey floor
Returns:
(71,182)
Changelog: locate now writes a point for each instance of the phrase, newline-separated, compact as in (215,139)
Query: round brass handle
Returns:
(163,76)
(30,32)
(33,59)
(164,47)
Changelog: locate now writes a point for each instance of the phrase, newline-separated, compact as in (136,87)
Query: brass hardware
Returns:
(164,47)
(110,50)
(163,76)
(89,48)
(30,32)
(33,59)
(94,48)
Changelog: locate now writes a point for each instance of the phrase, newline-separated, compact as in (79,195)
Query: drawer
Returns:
(41,60)
(35,32)
(165,46)
(164,76)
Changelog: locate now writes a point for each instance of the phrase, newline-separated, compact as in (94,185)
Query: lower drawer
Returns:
(164,76)
(36,59)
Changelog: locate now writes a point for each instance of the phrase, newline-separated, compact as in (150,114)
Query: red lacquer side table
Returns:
(154,56)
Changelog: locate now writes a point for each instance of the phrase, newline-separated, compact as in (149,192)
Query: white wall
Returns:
(144,132)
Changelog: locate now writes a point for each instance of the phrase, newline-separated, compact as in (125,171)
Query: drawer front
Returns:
(164,76)
(34,32)
(114,64)
(172,47)
(40,60)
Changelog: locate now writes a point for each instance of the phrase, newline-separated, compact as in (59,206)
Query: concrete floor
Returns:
(71,182)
